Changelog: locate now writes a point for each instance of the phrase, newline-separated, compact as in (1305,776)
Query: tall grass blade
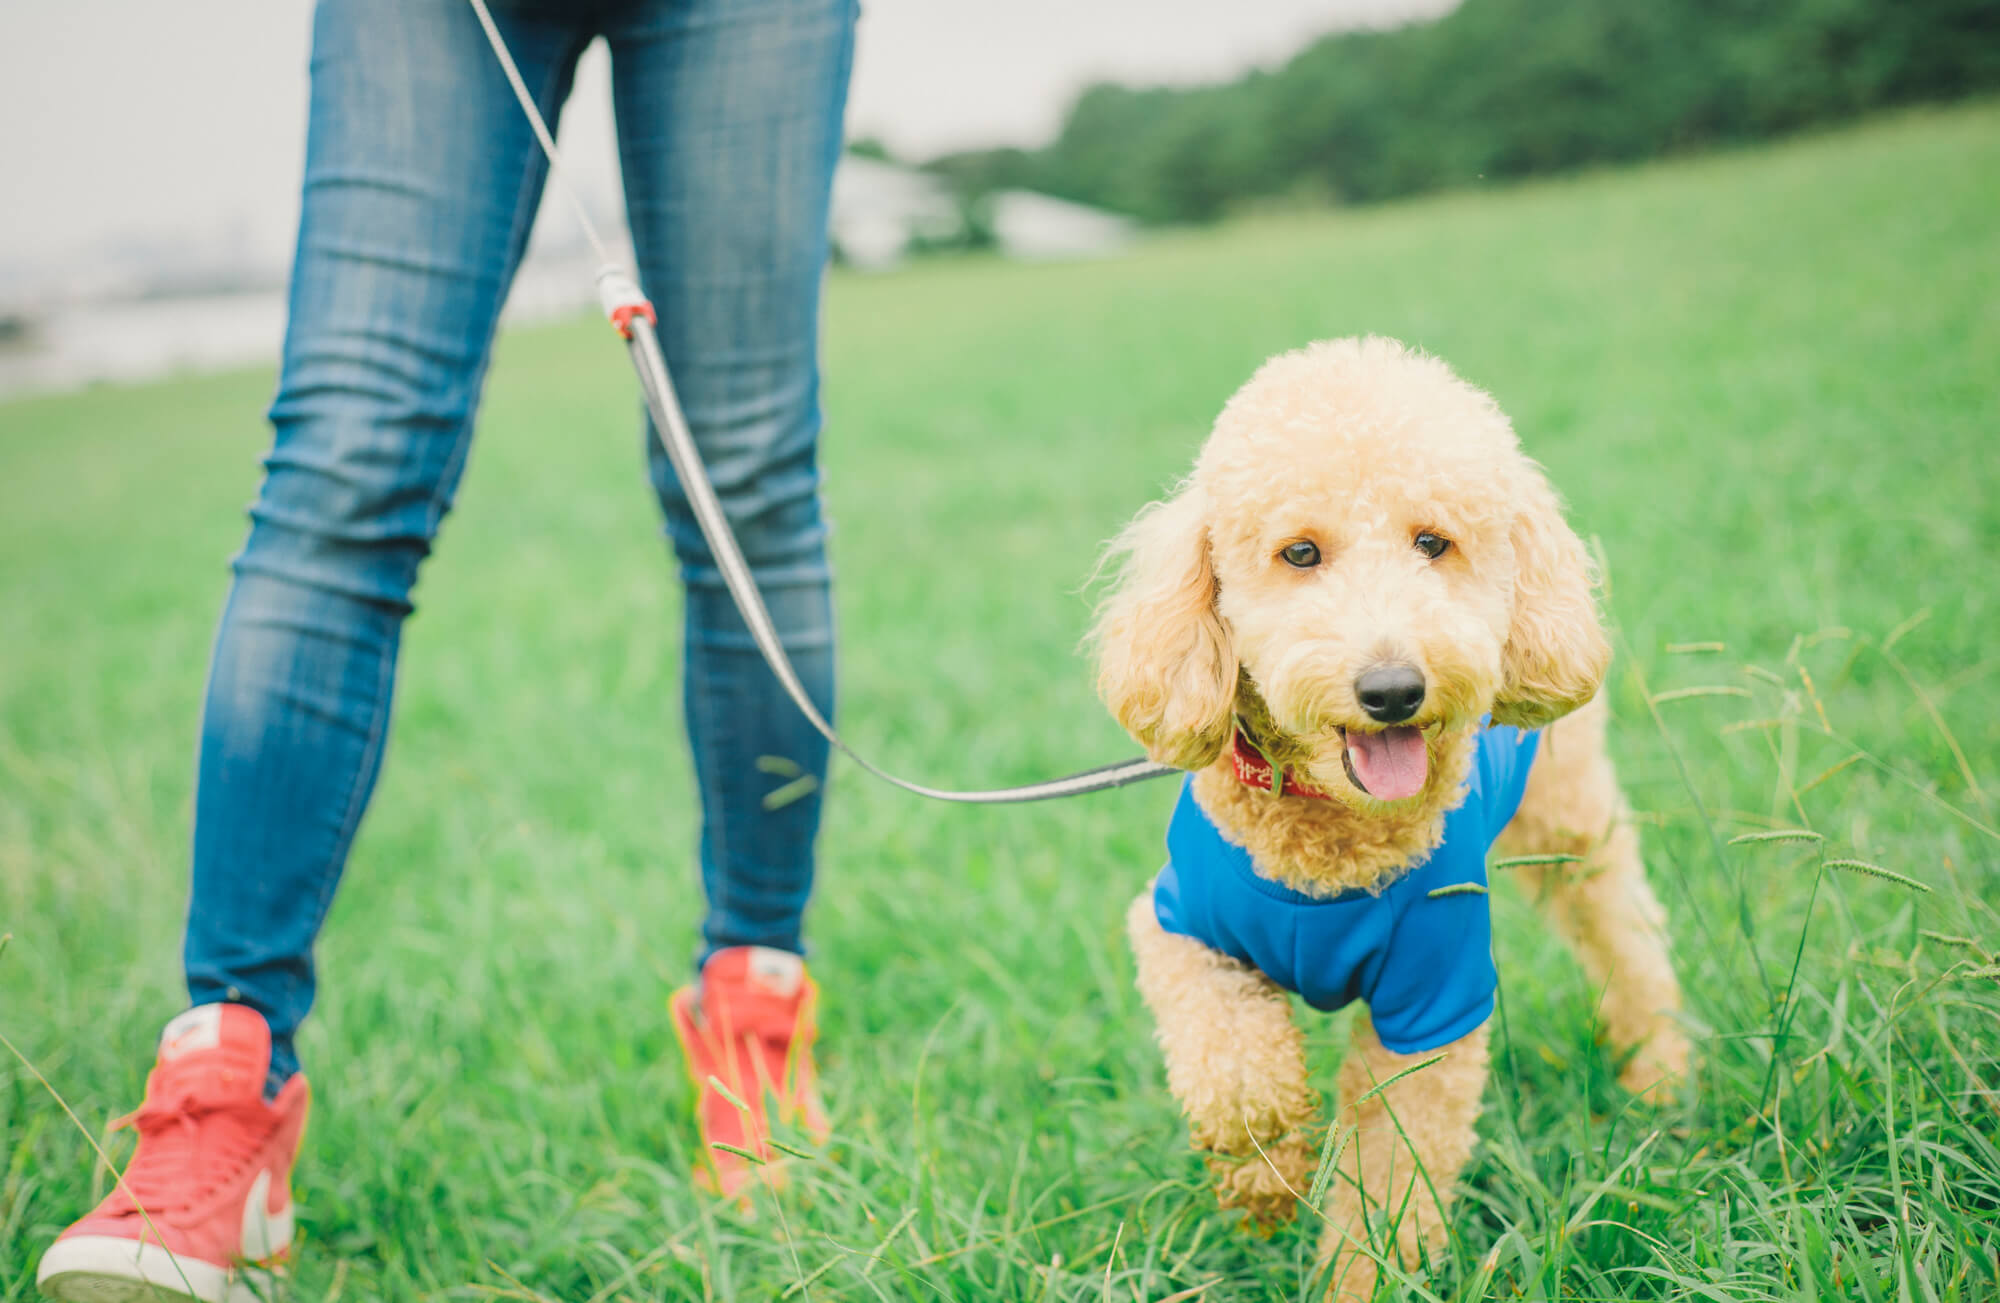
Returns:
(1391,1080)
(1703,690)
(1830,771)
(882,1245)
(796,790)
(1776,835)
(1896,634)
(1533,861)
(715,1082)
(1337,1138)
(1937,720)
(1877,871)
(804,1283)
(1812,695)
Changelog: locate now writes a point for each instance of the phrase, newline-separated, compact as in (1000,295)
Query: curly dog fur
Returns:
(1357,446)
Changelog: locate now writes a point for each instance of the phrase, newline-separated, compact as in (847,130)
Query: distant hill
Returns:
(1500,88)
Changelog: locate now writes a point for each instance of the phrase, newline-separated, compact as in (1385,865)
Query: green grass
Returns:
(1768,384)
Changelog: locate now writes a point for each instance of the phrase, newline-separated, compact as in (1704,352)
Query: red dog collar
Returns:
(1253,770)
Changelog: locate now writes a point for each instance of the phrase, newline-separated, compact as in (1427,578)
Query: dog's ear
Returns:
(1165,665)
(1556,654)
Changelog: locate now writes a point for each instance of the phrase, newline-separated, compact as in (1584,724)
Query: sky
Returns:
(155,129)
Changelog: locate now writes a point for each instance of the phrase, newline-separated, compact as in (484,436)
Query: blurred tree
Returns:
(1496,89)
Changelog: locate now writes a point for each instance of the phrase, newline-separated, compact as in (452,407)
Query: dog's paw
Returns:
(1353,1257)
(1659,1066)
(1351,1277)
(1265,1185)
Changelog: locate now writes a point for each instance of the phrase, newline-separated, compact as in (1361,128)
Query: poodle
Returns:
(1365,627)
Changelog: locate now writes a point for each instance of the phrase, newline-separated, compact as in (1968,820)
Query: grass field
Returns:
(1768,383)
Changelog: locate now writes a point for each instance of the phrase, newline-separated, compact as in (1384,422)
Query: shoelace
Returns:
(190,1145)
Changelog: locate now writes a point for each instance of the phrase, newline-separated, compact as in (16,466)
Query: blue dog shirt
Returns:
(1422,965)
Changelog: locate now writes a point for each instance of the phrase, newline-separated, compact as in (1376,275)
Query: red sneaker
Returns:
(205,1209)
(749,1023)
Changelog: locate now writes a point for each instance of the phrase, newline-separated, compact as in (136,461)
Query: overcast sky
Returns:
(131,121)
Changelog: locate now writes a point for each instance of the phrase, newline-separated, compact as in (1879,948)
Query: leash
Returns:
(631,314)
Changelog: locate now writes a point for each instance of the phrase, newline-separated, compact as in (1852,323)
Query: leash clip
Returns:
(623,300)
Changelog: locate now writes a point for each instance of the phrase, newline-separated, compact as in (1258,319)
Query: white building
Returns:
(1033,226)
(880,210)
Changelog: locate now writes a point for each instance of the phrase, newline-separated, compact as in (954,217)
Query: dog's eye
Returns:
(1301,554)
(1433,545)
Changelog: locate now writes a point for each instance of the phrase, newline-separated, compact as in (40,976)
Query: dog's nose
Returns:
(1390,693)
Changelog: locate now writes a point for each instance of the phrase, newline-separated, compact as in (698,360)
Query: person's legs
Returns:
(729,123)
(421,182)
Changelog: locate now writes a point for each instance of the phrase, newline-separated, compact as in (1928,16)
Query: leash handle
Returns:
(633,317)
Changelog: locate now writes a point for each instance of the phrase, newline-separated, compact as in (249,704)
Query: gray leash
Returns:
(632,315)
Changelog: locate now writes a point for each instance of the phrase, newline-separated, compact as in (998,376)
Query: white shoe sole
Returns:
(107,1269)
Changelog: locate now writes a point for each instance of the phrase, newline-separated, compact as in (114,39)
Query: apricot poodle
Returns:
(1365,627)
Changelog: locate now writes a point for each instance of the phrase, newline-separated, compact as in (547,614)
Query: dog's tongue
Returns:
(1390,764)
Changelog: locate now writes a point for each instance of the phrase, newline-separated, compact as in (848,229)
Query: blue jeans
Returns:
(421,181)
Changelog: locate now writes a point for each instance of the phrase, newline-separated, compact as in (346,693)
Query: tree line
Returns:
(1499,89)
